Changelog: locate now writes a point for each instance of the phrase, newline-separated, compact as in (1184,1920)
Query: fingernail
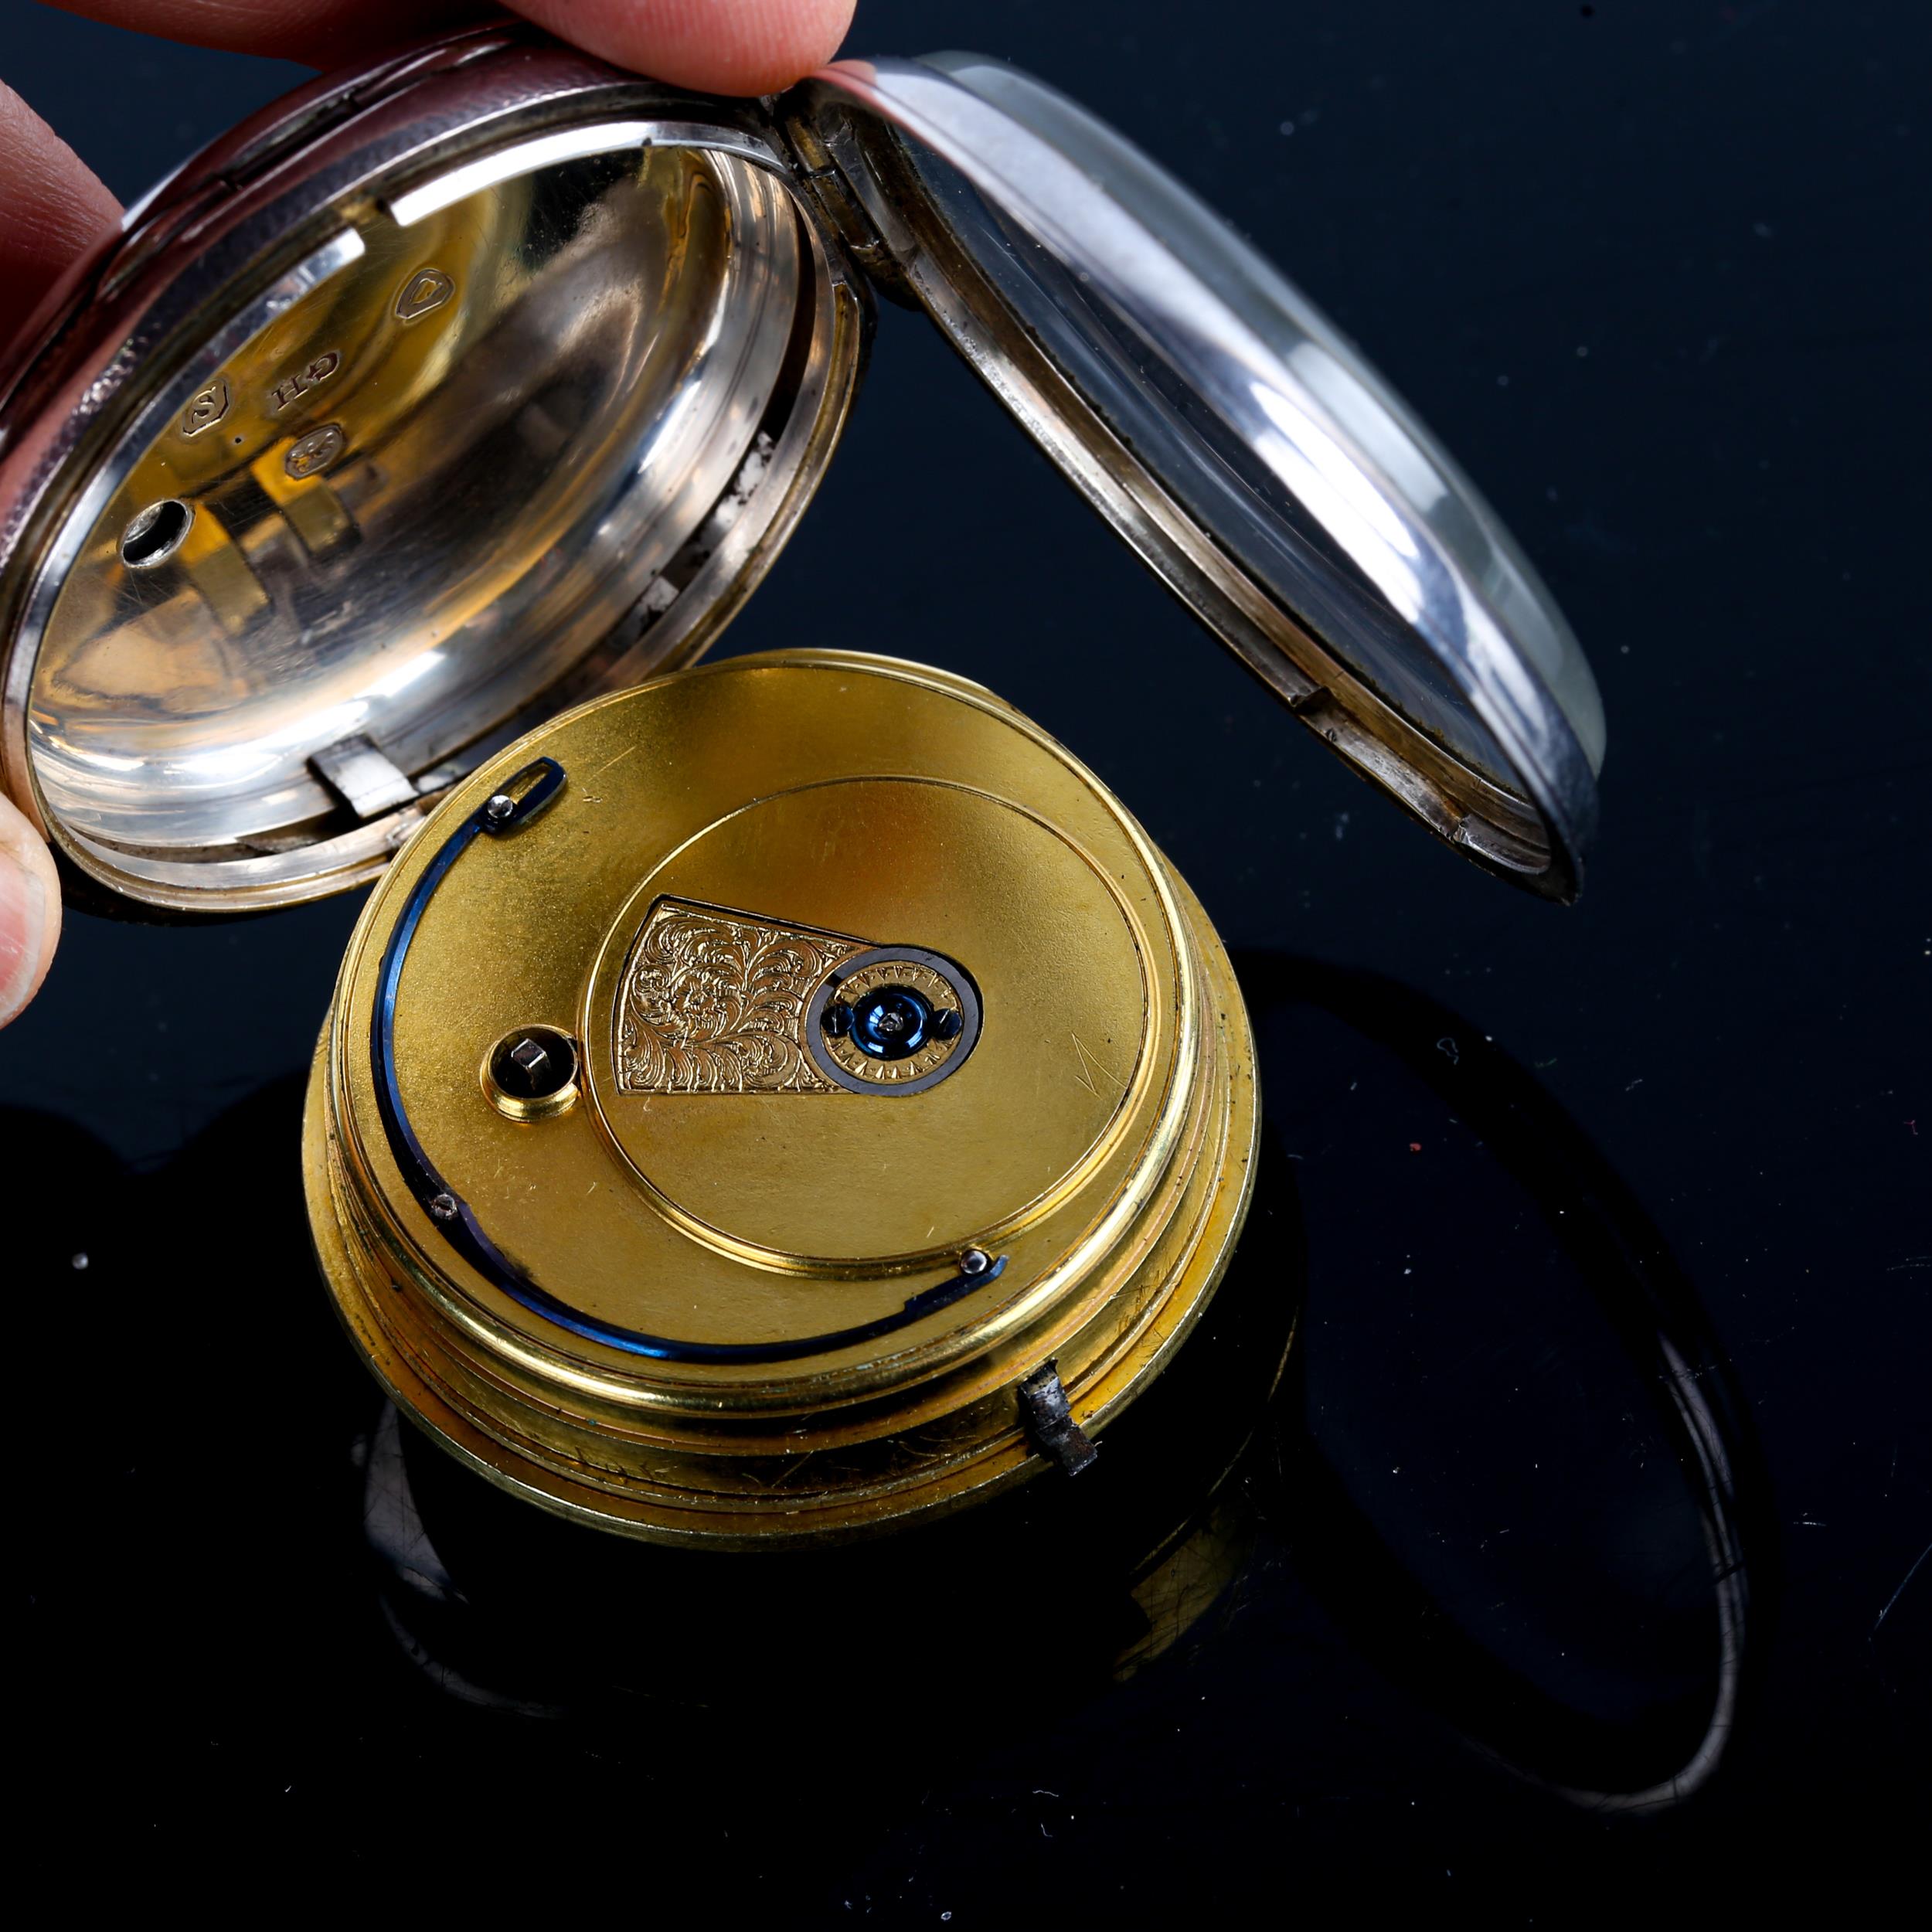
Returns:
(23,932)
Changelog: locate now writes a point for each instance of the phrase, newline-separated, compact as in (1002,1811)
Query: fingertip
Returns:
(722,46)
(30,912)
(55,210)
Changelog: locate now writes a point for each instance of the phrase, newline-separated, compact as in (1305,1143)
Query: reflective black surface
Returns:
(1609,1229)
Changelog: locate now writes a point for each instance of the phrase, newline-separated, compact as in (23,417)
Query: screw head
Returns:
(500,809)
(891,1023)
(974,1261)
(443,1207)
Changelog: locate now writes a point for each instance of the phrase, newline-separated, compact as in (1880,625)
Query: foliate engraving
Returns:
(713,1001)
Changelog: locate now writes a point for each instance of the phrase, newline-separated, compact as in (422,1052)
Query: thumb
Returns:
(29,911)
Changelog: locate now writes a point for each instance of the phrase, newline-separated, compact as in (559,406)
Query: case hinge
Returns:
(827,182)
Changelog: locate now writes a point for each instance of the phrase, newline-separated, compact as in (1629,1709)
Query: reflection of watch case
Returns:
(787,1098)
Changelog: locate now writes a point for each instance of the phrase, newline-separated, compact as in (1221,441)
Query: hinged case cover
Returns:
(454,392)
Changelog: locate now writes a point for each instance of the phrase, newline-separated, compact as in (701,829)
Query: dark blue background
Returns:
(1657,273)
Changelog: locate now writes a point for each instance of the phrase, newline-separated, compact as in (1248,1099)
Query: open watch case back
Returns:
(776,1101)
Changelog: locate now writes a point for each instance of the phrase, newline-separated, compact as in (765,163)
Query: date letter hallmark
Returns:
(425,292)
(287,393)
(205,408)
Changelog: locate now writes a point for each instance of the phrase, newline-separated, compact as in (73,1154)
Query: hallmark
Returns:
(425,292)
(310,455)
(320,370)
(206,408)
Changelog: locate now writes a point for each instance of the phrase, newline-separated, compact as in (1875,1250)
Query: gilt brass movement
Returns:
(771,1103)
(829,1100)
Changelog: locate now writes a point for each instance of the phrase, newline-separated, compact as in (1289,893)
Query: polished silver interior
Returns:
(387,523)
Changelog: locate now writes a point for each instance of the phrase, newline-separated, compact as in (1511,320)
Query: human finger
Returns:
(727,46)
(55,210)
(29,911)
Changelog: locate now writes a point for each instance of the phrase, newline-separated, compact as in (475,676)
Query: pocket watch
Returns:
(765,1103)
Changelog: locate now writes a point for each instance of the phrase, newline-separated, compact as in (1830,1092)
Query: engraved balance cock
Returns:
(714,1002)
